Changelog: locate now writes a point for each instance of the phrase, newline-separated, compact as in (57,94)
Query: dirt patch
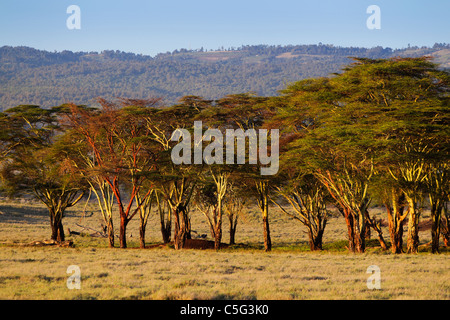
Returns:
(201,244)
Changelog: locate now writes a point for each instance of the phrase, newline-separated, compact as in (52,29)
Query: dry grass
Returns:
(290,271)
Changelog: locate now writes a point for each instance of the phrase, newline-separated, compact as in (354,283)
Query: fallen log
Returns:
(43,243)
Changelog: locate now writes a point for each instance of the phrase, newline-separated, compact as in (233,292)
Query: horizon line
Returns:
(232,48)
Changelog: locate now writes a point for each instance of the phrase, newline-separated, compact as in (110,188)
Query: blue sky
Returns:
(150,27)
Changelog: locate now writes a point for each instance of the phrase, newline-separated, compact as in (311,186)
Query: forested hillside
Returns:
(30,76)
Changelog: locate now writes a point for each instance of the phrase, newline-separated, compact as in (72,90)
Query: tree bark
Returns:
(356,227)
(445,228)
(263,203)
(57,231)
(350,229)
(218,236)
(436,211)
(360,231)
(413,230)
(142,236)
(56,225)
(315,241)
(166,232)
(395,216)
(187,224)
(123,232)
(381,240)
(166,225)
(180,227)
(233,225)
(218,226)
(61,236)
(372,223)
(267,239)
(110,230)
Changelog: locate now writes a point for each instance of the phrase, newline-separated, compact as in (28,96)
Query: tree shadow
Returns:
(22,213)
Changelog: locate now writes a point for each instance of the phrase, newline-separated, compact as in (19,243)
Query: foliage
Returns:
(33,164)
(377,130)
(51,78)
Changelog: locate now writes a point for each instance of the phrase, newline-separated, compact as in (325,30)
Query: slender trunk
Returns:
(142,236)
(212,229)
(56,225)
(368,233)
(233,225)
(218,236)
(445,227)
(318,238)
(53,225)
(413,234)
(263,203)
(436,211)
(397,241)
(123,231)
(166,225)
(360,230)
(356,227)
(232,235)
(350,229)
(110,230)
(187,224)
(218,226)
(395,221)
(381,240)
(396,235)
(177,230)
(372,223)
(267,239)
(413,230)
(180,227)
(58,231)
(166,232)
(315,240)
(61,237)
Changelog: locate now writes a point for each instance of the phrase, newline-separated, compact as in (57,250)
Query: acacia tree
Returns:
(331,149)
(437,184)
(245,113)
(410,98)
(307,197)
(210,199)
(175,182)
(145,208)
(299,187)
(234,207)
(378,116)
(411,176)
(165,217)
(395,206)
(445,224)
(117,136)
(221,162)
(34,164)
(82,160)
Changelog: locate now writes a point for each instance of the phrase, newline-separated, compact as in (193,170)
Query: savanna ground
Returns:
(243,271)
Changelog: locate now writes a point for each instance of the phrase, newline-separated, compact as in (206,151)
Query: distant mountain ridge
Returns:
(31,76)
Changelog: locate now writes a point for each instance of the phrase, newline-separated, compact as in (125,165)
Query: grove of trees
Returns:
(378,131)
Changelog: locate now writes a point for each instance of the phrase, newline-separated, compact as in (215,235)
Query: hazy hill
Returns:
(30,76)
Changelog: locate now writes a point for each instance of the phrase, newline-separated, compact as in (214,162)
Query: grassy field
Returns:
(244,271)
